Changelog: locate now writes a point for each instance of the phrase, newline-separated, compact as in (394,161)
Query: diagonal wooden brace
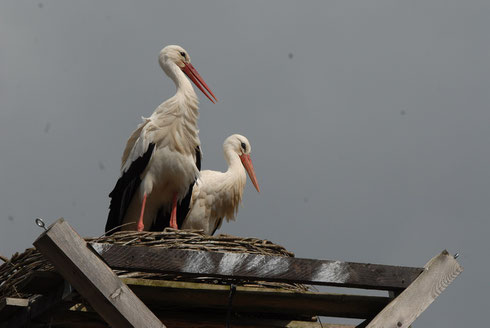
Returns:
(93,279)
(438,273)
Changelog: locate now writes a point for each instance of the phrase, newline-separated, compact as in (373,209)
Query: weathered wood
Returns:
(257,267)
(10,305)
(439,272)
(93,279)
(161,293)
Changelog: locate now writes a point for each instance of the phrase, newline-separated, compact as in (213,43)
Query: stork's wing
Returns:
(163,219)
(137,145)
(125,188)
(207,209)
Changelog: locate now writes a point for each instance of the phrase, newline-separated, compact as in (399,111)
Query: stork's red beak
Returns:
(247,163)
(195,77)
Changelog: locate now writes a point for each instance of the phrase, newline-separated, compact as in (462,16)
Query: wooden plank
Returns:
(439,272)
(247,299)
(13,301)
(93,279)
(257,267)
(38,305)
(10,305)
(161,293)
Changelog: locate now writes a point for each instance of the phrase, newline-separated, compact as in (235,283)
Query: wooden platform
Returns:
(85,292)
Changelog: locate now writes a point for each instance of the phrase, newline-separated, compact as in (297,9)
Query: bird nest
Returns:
(18,270)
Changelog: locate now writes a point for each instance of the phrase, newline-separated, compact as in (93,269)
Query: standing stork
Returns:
(162,158)
(216,195)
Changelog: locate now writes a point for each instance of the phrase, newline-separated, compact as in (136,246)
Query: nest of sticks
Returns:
(16,272)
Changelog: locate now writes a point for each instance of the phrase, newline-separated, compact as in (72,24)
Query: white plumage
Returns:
(217,195)
(161,160)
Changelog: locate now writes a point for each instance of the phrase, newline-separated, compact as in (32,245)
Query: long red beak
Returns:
(195,77)
(247,163)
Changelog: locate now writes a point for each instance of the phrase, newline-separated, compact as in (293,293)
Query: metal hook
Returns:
(40,223)
(456,255)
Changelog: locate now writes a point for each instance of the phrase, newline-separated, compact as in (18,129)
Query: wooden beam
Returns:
(439,272)
(161,293)
(257,267)
(93,279)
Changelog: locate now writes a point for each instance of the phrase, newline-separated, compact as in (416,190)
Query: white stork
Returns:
(162,158)
(216,195)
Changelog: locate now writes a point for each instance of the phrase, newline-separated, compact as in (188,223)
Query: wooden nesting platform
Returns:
(187,279)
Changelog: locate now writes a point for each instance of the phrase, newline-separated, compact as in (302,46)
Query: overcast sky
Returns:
(369,122)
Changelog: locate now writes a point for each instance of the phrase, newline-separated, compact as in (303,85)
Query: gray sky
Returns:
(369,122)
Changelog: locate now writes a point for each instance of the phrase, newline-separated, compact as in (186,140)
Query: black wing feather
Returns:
(125,188)
(163,219)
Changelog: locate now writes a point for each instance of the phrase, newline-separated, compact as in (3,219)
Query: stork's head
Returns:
(241,146)
(176,55)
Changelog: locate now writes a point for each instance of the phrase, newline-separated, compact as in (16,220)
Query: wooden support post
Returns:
(439,272)
(257,267)
(93,279)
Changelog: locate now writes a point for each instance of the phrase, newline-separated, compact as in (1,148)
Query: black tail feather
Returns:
(125,189)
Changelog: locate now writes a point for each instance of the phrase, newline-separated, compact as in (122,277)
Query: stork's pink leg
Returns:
(173,215)
(141,225)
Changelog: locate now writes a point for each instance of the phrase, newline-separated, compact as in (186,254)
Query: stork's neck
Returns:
(185,91)
(235,166)
(233,182)
(179,113)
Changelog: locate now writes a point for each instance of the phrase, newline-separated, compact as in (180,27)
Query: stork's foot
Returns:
(140,226)
(173,215)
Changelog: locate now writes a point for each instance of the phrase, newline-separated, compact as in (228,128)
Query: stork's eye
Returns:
(182,54)
(244,146)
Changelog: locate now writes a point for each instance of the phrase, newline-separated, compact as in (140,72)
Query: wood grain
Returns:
(93,279)
(257,267)
(439,272)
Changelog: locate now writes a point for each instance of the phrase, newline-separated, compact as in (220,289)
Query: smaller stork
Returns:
(216,195)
